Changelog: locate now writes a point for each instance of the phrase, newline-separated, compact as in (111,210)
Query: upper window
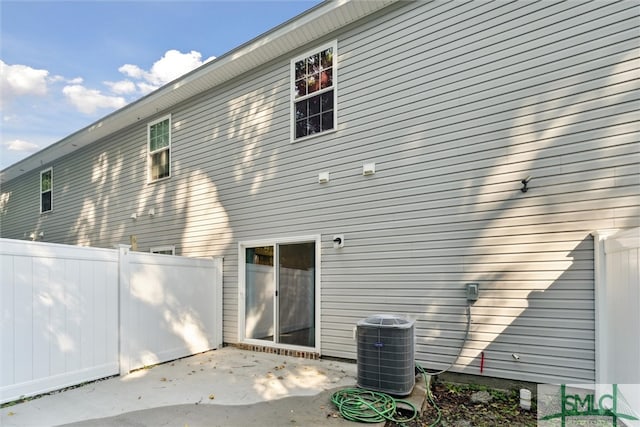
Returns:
(166,250)
(159,136)
(314,94)
(46,190)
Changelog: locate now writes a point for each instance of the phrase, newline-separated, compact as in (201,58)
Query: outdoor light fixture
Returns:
(134,216)
(524,182)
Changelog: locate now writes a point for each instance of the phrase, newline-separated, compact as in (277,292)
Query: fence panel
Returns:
(618,316)
(73,314)
(174,308)
(59,317)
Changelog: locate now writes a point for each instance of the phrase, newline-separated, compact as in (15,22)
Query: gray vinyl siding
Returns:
(455,103)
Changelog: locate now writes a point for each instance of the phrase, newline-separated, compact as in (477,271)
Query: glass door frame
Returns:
(242,246)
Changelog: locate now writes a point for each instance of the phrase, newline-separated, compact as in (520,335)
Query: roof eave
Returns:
(304,28)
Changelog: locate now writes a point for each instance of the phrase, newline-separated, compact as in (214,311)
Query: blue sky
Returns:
(66,64)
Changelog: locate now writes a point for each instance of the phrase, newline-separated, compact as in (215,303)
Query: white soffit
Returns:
(305,28)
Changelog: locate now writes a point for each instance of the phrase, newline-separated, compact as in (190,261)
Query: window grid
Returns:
(46,190)
(165,250)
(159,146)
(314,92)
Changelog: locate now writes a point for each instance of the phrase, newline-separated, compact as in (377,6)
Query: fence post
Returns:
(124,309)
(218,302)
(600,296)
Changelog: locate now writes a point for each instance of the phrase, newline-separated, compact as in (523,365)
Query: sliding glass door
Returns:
(280,293)
(260,291)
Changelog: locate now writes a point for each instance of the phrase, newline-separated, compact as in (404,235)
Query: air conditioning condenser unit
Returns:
(386,355)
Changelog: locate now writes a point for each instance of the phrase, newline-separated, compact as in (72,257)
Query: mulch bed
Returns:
(469,405)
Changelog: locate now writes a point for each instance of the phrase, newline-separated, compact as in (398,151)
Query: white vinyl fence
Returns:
(617,268)
(73,314)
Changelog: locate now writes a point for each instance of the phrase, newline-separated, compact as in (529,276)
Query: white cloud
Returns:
(123,87)
(132,71)
(9,118)
(21,146)
(172,65)
(89,100)
(22,80)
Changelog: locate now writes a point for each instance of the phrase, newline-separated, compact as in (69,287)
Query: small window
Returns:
(46,190)
(159,136)
(313,79)
(166,250)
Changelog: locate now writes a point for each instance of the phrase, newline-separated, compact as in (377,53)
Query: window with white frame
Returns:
(166,250)
(46,190)
(313,78)
(159,147)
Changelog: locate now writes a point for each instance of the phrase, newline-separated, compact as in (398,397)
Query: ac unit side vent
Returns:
(385,360)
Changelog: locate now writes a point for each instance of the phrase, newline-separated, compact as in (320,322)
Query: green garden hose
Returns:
(365,406)
(427,385)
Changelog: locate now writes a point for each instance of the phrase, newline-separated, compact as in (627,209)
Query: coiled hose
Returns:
(366,406)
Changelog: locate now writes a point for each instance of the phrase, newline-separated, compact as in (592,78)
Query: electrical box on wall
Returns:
(472,291)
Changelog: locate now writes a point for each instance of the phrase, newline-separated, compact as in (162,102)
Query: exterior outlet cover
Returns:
(338,241)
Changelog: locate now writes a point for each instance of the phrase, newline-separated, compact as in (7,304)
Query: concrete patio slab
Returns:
(222,387)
